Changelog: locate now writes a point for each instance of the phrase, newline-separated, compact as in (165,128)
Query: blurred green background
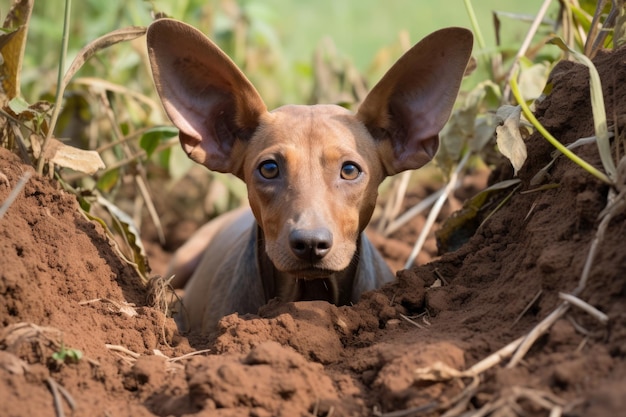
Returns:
(296,51)
(274,40)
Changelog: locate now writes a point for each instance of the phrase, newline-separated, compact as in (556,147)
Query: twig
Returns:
(123,307)
(535,333)
(597,34)
(413,211)
(616,206)
(140,154)
(493,359)
(147,198)
(532,31)
(441,277)
(20,142)
(400,184)
(509,403)
(528,306)
(118,348)
(458,404)
(58,406)
(135,355)
(188,355)
(15,192)
(68,397)
(413,322)
(501,204)
(581,345)
(530,210)
(582,330)
(58,391)
(56,111)
(489,407)
(594,312)
(525,45)
(544,399)
(116,88)
(432,216)
(128,138)
(409,411)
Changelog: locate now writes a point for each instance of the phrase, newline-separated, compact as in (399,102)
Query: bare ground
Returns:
(62,283)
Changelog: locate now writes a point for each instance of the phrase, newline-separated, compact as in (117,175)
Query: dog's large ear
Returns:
(203,92)
(412,102)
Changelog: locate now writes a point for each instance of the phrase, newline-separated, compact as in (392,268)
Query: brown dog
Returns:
(312,171)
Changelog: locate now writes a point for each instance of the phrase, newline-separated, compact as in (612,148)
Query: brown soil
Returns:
(62,282)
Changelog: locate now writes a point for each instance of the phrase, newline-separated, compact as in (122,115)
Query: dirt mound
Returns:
(62,286)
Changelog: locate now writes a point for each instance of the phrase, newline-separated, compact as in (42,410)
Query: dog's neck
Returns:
(336,288)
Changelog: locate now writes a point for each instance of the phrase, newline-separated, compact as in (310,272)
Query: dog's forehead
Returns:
(320,123)
(316,110)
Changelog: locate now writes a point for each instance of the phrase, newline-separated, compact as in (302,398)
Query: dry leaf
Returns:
(12,46)
(439,371)
(66,156)
(12,363)
(102,42)
(128,310)
(510,141)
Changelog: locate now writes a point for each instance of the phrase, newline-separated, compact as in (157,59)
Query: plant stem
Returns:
(472,16)
(60,87)
(533,30)
(558,145)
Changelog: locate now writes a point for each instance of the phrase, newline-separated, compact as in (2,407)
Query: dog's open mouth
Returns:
(317,289)
(312,273)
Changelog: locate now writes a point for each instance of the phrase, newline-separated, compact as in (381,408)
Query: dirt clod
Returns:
(312,358)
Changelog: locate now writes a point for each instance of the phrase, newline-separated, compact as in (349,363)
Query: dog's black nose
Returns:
(311,245)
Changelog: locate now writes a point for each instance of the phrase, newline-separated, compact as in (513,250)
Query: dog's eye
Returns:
(268,169)
(350,171)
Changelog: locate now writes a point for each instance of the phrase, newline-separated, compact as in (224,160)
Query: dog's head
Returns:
(312,171)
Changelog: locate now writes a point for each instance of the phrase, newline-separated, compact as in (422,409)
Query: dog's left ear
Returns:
(205,95)
(412,102)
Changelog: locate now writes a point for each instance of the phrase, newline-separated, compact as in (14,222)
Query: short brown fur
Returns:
(312,171)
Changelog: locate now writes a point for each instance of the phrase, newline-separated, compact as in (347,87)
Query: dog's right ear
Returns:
(203,92)
(412,102)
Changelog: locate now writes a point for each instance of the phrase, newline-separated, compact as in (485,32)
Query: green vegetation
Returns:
(111,121)
(366,33)
(67,355)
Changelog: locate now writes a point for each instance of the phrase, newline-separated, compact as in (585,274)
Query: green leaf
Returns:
(164,158)
(108,180)
(597,107)
(150,140)
(125,226)
(462,224)
(74,355)
(18,105)
(483,132)
(619,32)
(65,355)
(533,78)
